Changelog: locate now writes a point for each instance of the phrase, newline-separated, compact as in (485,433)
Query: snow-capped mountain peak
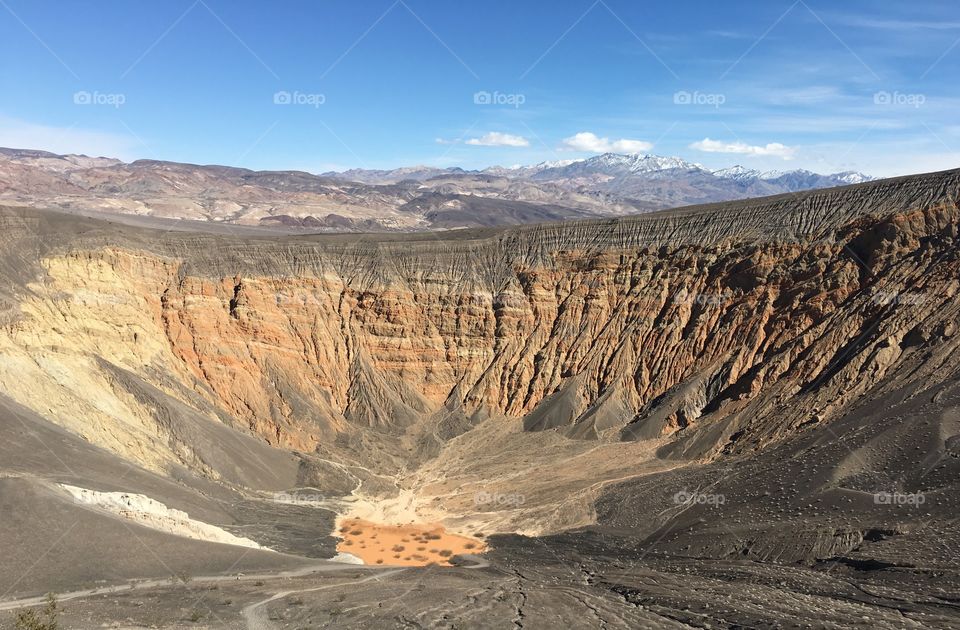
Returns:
(642,162)
(852,177)
(628,175)
(555,164)
(737,172)
(777,174)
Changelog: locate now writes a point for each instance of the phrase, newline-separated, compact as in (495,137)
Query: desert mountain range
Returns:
(406,199)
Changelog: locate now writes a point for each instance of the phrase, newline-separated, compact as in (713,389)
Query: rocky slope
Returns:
(723,327)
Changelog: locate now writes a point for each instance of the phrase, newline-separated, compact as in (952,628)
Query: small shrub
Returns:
(45,619)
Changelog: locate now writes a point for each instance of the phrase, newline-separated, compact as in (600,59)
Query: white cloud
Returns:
(591,143)
(774,149)
(497,139)
(20,134)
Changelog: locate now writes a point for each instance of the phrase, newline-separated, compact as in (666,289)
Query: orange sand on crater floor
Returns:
(403,545)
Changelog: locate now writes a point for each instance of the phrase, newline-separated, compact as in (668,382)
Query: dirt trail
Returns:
(138,585)
(255,614)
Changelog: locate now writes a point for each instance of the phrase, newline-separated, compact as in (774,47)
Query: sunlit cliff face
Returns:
(648,329)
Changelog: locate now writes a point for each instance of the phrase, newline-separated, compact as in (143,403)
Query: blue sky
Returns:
(333,84)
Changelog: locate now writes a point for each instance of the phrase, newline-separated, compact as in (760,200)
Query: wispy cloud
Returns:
(497,139)
(20,134)
(731,34)
(808,95)
(898,25)
(774,149)
(586,141)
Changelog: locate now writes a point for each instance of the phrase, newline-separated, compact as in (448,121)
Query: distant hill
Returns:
(415,198)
